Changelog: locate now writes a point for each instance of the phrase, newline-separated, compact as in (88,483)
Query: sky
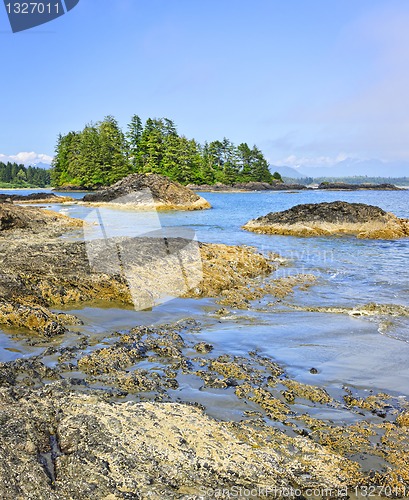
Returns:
(310,82)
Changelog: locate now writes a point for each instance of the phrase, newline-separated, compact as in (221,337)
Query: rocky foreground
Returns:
(95,423)
(86,421)
(332,219)
(148,191)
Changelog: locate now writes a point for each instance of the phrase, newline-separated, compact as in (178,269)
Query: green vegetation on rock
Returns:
(101,154)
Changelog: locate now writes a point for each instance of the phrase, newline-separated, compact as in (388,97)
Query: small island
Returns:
(344,186)
(332,219)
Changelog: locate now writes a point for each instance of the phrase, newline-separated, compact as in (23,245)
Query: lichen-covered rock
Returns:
(403,419)
(111,359)
(36,318)
(147,191)
(203,347)
(305,391)
(59,445)
(335,218)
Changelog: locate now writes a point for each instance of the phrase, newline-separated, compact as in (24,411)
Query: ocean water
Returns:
(370,353)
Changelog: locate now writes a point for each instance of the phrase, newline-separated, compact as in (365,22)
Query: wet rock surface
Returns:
(39,270)
(100,422)
(335,218)
(148,190)
(109,419)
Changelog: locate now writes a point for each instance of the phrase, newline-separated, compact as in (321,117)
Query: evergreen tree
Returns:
(114,163)
(101,154)
(260,170)
(133,137)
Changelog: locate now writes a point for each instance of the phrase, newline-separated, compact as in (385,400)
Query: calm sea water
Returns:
(370,352)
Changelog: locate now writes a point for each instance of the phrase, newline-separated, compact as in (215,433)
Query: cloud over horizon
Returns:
(26,158)
(366,110)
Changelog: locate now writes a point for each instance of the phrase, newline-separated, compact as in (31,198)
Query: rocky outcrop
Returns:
(246,186)
(35,318)
(34,220)
(148,191)
(339,186)
(35,198)
(336,218)
(39,270)
(56,273)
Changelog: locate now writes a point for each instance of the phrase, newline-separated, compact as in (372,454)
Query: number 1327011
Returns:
(33,8)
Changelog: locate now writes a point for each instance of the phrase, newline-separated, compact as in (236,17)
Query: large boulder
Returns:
(336,218)
(147,191)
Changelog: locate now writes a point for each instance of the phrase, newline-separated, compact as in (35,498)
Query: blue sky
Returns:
(310,82)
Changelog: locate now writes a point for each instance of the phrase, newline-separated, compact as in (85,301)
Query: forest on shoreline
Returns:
(357,179)
(101,154)
(15,175)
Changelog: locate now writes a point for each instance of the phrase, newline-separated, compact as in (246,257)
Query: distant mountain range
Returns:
(40,164)
(348,168)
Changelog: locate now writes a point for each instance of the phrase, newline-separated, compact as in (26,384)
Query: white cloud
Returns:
(27,158)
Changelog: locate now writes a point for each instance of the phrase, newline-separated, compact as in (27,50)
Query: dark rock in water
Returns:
(148,190)
(335,212)
(336,218)
(356,187)
(34,198)
(203,347)
(288,187)
(252,186)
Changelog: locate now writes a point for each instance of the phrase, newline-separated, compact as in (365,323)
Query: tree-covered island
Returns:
(101,154)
